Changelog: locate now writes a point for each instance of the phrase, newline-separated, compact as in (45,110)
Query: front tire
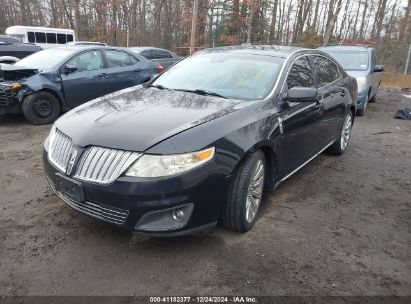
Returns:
(245,193)
(41,108)
(340,145)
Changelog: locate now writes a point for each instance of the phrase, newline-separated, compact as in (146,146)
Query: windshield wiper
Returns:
(203,92)
(158,86)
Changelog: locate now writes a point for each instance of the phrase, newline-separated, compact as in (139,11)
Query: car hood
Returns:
(357,74)
(137,118)
(13,72)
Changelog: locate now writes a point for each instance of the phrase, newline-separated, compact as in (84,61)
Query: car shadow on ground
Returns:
(13,120)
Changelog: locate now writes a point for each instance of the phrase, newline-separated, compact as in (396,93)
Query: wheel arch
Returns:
(52,92)
(271,163)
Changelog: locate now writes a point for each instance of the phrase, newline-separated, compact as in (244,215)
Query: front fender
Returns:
(49,81)
(234,135)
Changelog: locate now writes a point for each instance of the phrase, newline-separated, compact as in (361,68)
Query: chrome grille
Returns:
(60,150)
(101,211)
(103,165)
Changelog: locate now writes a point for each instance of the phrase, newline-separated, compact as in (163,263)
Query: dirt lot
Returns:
(340,226)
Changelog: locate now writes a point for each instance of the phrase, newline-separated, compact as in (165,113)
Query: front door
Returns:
(89,80)
(299,120)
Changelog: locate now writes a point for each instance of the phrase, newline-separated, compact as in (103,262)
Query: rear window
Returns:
(350,60)
(149,54)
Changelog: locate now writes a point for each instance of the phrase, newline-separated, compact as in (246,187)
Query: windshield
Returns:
(238,76)
(45,59)
(351,60)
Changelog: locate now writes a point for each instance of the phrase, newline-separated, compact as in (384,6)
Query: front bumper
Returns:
(128,200)
(361,101)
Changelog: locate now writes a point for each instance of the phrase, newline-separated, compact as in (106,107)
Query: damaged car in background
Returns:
(52,81)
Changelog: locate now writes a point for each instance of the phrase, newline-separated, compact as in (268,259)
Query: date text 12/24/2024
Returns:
(203,299)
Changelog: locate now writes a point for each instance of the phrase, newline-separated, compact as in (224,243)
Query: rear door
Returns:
(331,97)
(125,70)
(87,82)
(299,120)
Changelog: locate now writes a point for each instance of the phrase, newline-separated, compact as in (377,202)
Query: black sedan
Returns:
(202,142)
(161,56)
(55,80)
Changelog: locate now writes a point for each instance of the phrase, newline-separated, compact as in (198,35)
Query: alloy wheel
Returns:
(346,132)
(255,191)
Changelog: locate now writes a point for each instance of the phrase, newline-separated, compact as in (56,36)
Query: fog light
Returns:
(166,219)
(177,214)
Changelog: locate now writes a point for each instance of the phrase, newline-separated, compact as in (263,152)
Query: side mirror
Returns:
(68,68)
(301,94)
(379,68)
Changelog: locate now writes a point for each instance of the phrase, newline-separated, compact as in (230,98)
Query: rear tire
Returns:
(244,195)
(41,108)
(340,145)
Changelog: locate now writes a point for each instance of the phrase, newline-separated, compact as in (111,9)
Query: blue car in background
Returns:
(52,81)
(360,62)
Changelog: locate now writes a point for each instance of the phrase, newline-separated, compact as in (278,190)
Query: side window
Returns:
(118,59)
(327,71)
(30,37)
(51,38)
(61,38)
(300,74)
(40,37)
(69,38)
(87,61)
(149,54)
(164,54)
(335,72)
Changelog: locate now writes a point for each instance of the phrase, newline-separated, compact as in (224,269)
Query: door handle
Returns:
(138,70)
(103,75)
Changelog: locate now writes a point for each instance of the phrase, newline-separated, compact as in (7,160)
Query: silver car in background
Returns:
(161,56)
(360,62)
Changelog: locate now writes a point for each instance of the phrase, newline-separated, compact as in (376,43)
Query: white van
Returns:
(45,37)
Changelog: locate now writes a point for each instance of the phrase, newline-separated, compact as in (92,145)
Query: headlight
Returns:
(362,84)
(165,165)
(50,138)
(16,86)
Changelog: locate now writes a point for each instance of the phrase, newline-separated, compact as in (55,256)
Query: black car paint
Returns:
(10,46)
(164,122)
(73,89)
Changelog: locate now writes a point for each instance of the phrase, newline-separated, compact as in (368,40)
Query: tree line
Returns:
(167,23)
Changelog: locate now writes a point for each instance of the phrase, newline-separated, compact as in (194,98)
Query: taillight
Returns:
(160,69)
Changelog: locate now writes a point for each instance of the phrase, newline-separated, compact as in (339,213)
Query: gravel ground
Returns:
(340,226)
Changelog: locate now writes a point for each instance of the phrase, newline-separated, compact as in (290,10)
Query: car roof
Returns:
(143,48)
(80,42)
(346,47)
(270,50)
(85,47)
